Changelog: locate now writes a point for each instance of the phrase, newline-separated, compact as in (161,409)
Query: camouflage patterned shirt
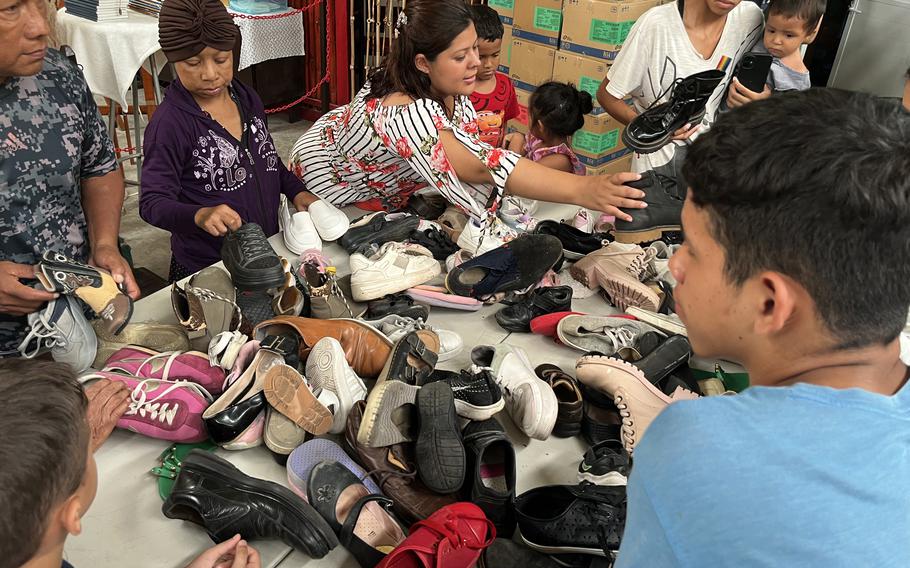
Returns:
(51,138)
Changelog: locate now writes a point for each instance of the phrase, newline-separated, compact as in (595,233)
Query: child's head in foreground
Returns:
(558,110)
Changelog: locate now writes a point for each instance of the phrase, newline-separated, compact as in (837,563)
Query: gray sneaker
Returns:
(395,327)
(602,334)
(62,329)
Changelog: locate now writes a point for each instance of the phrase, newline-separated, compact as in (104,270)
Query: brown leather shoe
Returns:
(365,347)
(394,471)
(571,406)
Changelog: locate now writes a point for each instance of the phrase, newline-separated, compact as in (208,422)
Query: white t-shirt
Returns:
(658,51)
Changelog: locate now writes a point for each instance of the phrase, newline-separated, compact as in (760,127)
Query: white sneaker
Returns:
(531,402)
(333,381)
(298,230)
(516,214)
(395,327)
(395,268)
(478,240)
(61,328)
(330,221)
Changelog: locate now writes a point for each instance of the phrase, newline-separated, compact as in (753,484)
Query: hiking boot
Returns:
(619,269)
(665,198)
(206,306)
(653,128)
(378,228)
(605,463)
(394,268)
(192,366)
(490,479)
(516,265)
(530,401)
(94,286)
(542,301)
(61,328)
(477,395)
(575,242)
(298,230)
(607,335)
(436,241)
(250,259)
(395,327)
(571,404)
(638,401)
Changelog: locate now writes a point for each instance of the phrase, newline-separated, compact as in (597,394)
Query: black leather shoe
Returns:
(541,301)
(652,129)
(671,354)
(435,241)
(213,493)
(250,259)
(399,304)
(378,228)
(575,242)
(665,198)
(583,518)
(490,479)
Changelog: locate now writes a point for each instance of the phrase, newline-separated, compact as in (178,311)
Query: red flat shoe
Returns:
(546,324)
(452,537)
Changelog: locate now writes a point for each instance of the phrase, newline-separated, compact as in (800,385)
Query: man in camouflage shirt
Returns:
(60,188)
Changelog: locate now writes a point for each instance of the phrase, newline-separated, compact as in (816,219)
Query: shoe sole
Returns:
(561,549)
(278,430)
(657,144)
(331,362)
(441,460)
(378,427)
(322,536)
(289,394)
(625,292)
(655,320)
(478,413)
(609,479)
(644,236)
(261,283)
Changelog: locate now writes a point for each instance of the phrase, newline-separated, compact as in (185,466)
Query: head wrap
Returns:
(186,27)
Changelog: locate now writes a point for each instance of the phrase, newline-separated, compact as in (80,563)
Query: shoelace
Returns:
(642,266)
(47,334)
(156,410)
(620,337)
(335,289)
(253,245)
(657,101)
(207,295)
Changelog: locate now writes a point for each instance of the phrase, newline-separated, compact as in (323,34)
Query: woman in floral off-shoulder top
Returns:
(412,127)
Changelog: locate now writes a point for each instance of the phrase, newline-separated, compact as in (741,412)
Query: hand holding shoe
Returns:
(739,95)
(107,401)
(233,553)
(685,132)
(303,200)
(609,195)
(218,220)
(16,298)
(109,258)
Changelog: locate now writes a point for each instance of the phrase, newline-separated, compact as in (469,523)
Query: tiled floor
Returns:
(151,246)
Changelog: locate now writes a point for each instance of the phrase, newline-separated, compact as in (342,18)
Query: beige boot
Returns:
(619,269)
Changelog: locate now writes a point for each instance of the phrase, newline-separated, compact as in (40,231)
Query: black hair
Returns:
(43,450)
(560,107)
(810,11)
(487,22)
(431,27)
(814,185)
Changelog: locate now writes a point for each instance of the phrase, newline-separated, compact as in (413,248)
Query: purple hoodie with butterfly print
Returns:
(191,161)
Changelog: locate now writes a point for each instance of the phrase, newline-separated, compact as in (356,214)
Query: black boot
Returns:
(652,129)
(212,493)
(665,197)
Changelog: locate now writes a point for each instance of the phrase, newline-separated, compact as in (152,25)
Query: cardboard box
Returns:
(523,98)
(505,9)
(515,125)
(598,28)
(615,166)
(531,64)
(538,21)
(583,72)
(505,55)
(599,140)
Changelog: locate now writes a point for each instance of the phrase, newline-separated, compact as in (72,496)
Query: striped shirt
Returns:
(365,151)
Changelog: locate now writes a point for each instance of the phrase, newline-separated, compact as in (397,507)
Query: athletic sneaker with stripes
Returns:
(477,396)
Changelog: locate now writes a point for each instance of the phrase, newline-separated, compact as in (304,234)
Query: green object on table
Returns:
(171,459)
(737,382)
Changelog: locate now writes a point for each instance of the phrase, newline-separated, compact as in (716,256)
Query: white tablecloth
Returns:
(270,39)
(111,53)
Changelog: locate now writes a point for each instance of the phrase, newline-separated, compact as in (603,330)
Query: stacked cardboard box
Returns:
(505,55)
(598,28)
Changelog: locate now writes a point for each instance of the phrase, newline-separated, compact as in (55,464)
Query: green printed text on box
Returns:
(504,4)
(547,19)
(610,33)
(589,84)
(595,143)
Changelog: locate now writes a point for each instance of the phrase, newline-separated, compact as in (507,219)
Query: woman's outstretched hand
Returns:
(607,193)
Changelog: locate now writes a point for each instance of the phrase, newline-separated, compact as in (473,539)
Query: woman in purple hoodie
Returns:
(210,163)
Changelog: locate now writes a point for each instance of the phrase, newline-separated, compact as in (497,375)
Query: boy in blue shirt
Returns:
(796,263)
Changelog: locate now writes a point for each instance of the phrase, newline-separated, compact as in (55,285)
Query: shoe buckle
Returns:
(277,343)
(417,346)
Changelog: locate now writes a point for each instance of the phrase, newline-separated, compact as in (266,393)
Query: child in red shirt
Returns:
(494,96)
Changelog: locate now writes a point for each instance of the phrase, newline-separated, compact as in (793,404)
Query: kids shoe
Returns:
(313,452)
(571,403)
(440,297)
(665,198)
(333,381)
(166,410)
(298,229)
(206,306)
(400,304)
(191,366)
(436,241)
(452,537)
(394,268)
(517,215)
(250,259)
(478,239)
(94,286)
(653,128)
(288,393)
(330,222)
(538,302)
(318,277)
(575,243)
(605,463)
(61,328)
(395,327)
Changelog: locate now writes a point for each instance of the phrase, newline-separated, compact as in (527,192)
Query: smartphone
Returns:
(753,69)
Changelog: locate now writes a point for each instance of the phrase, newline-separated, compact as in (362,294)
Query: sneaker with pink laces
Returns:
(162,409)
(639,402)
(147,363)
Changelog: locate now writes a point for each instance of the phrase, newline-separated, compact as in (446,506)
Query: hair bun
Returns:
(585,102)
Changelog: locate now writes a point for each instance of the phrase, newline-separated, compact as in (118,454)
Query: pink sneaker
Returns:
(583,221)
(166,410)
(146,363)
